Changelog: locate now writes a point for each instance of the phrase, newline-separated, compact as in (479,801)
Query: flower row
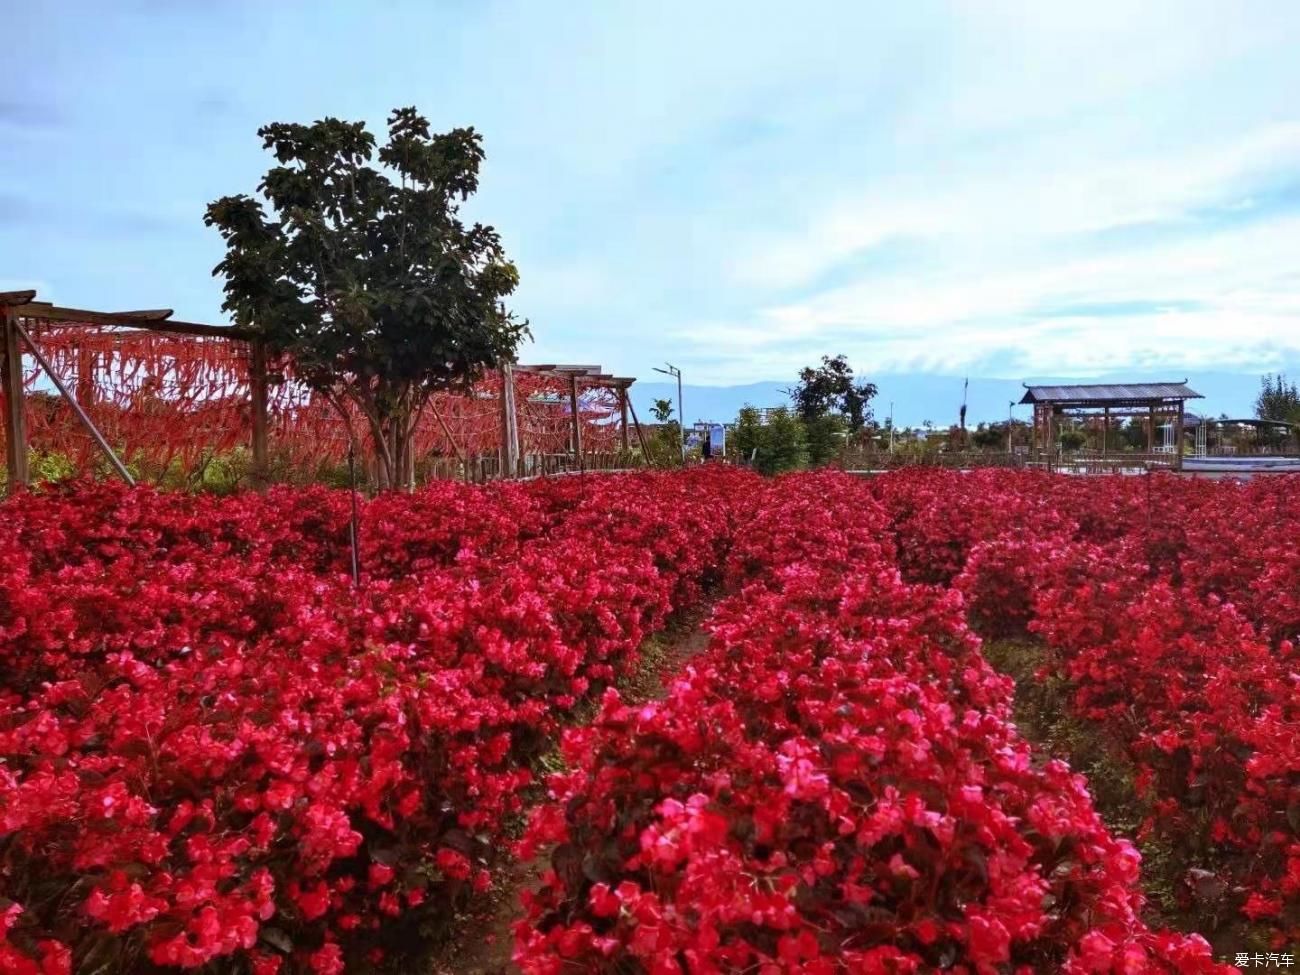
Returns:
(1170,611)
(215,751)
(834,786)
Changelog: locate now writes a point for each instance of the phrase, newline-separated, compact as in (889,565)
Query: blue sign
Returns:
(717,439)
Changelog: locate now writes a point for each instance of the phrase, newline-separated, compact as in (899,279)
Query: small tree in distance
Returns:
(778,445)
(366,277)
(1277,399)
(668,437)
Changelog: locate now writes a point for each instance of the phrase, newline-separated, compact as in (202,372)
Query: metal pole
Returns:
(891,426)
(672,370)
(681,412)
(1010,406)
(81,414)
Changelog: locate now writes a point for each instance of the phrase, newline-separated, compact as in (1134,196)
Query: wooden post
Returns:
(86,360)
(1178,438)
(577,420)
(11,382)
(1105,431)
(640,437)
(509,424)
(1151,429)
(1051,440)
(622,418)
(257,388)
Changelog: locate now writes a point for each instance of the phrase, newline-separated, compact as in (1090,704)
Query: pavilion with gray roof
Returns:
(1151,401)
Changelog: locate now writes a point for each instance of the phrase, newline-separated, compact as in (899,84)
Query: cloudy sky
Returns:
(997,188)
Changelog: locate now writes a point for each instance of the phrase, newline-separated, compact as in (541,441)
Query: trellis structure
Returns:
(161,397)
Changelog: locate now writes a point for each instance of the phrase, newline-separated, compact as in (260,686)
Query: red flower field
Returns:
(216,752)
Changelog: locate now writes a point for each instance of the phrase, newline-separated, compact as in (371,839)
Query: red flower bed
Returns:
(835,786)
(1171,610)
(214,751)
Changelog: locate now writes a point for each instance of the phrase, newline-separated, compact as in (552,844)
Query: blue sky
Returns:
(1003,189)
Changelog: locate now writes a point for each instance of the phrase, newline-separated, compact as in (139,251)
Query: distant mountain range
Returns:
(918,397)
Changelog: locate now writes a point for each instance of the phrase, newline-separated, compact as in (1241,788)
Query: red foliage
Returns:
(1172,608)
(211,746)
(214,751)
(835,786)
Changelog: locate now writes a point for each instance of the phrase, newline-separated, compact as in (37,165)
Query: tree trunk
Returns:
(395,453)
(392,429)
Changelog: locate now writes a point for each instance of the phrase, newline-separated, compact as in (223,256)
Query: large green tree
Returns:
(830,404)
(831,388)
(364,274)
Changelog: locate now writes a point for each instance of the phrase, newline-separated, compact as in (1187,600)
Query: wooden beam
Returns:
(257,389)
(11,384)
(149,314)
(640,437)
(460,454)
(79,316)
(16,297)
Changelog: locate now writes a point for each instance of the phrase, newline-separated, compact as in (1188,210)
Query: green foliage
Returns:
(49,466)
(830,389)
(779,445)
(1277,399)
(662,410)
(987,436)
(746,434)
(1072,439)
(826,436)
(365,276)
(786,446)
(667,445)
(1133,435)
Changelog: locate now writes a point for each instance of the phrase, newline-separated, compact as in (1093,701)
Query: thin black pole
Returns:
(354,528)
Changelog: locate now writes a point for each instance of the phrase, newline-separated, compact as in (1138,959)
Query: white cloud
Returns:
(998,206)
(1233,300)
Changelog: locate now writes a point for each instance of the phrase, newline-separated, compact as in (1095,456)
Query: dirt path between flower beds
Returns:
(485,940)
(1044,718)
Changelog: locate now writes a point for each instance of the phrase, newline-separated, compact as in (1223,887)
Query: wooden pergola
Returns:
(1149,401)
(591,376)
(19,306)
(19,311)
